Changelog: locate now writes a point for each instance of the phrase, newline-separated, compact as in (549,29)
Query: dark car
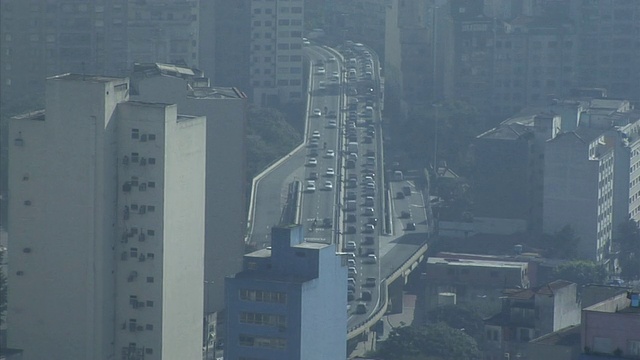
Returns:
(350,230)
(350,218)
(366,295)
(411,226)
(373,221)
(367,240)
(327,222)
(399,195)
(405,214)
(406,190)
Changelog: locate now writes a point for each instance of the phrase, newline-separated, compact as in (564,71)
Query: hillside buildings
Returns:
(107,234)
(289,302)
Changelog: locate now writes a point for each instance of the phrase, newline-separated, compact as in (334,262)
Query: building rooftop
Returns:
(477,263)
(546,289)
(89,78)
(311,245)
(568,336)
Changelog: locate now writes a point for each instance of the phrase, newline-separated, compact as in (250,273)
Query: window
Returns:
(133,252)
(262,341)
(151,184)
(263,296)
(151,208)
(149,303)
(134,158)
(152,137)
(149,327)
(135,133)
(151,161)
(151,232)
(149,279)
(263,319)
(148,351)
(150,256)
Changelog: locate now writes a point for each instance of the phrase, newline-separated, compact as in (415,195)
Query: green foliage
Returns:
(581,272)
(436,341)
(459,317)
(269,137)
(458,123)
(563,244)
(628,242)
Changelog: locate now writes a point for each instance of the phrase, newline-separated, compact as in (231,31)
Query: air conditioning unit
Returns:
(142,187)
(143,209)
(143,161)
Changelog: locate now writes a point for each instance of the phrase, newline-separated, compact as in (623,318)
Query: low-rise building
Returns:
(530,313)
(612,327)
(471,281)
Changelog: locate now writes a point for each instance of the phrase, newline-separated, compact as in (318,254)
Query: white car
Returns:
(316,134)
(311,186)
(331,172)
(332,124)
(350,246)
(328,185)
(317,112)
(320,70)
(330,154)
(332,59)
(313,162)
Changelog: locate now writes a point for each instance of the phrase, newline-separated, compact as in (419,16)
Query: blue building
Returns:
(289,302)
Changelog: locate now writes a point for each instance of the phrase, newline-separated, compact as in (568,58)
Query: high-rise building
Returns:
(225,42)
(289,302)
(608,54)
(42,38)
(226,214)
(276,51)
(106,226)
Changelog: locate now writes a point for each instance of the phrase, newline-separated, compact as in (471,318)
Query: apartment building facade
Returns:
(289,302)
(225,211)
(104,226)
(276,51)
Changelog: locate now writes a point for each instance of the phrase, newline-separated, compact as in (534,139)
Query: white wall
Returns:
(62,301)
(183,255)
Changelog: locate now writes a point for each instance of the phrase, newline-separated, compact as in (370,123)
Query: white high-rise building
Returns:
(106,225)
(276,51)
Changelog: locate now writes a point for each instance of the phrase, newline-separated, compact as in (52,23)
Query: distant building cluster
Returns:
(504,55)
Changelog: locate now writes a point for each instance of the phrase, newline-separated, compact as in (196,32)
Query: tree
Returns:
(628,242)
(563,244)
(435,341)
(581,272)
(459,317)
(269,137)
